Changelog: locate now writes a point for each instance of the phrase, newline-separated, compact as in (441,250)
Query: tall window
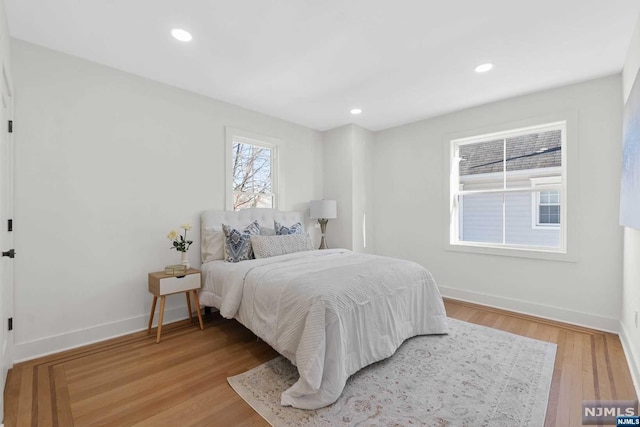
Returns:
(253,172)
(508,189)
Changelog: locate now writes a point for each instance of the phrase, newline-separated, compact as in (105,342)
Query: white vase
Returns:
(184,259)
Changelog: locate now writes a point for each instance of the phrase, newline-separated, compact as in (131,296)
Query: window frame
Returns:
(258,140)
(569,193)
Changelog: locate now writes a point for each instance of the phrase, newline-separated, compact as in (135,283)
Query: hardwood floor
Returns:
(131,380)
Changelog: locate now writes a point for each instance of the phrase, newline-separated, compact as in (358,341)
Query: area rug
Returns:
(474,376)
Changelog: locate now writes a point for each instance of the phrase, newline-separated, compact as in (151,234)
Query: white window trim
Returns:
(460,209)
(569,196)
(543,184)
(252,138)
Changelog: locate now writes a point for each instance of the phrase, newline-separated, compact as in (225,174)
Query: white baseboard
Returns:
(44,346)
(631,356)
(577,318)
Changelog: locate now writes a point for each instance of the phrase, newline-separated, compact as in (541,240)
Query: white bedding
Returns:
(330,312)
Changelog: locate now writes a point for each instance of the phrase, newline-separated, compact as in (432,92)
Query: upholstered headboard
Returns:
(212,237)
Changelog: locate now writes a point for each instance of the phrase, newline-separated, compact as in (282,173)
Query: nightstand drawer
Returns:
(171,285)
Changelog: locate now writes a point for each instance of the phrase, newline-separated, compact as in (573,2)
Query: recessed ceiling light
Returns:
(356,111)
(182,35)
(483,68)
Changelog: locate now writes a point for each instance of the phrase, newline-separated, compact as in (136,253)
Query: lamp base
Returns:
(323,243)
(323,229)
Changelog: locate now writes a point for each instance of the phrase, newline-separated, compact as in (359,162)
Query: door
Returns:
(6,236)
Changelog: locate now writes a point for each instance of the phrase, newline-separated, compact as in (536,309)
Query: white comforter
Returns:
(331,313)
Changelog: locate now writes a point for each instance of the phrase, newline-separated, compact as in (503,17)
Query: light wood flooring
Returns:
(131,380)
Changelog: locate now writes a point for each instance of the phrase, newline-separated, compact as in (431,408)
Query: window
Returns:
(545,204)
(508,189)
(548,208)
(252,171)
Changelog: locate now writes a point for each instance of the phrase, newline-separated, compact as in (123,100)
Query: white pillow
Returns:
(212,244)
(268,246)
(266,231)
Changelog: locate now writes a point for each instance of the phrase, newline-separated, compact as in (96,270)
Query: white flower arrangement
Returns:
(180,242)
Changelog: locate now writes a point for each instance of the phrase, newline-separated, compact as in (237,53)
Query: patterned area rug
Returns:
(475,376)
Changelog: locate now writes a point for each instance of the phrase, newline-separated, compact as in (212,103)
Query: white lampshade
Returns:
(323,209)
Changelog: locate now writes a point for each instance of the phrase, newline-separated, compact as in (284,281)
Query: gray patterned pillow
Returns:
(237,244)
(281,230)
(268,246)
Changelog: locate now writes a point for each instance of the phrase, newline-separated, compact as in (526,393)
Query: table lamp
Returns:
(323,210)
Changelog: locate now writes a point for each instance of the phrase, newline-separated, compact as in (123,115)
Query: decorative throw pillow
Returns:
(281,230)
(237,244)
(268,246)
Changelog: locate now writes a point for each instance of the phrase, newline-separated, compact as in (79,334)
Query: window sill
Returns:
(545,227)
(487,249)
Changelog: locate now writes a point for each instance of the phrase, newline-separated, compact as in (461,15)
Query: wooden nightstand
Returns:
(161,285)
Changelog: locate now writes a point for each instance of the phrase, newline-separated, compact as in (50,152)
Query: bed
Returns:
(330,312)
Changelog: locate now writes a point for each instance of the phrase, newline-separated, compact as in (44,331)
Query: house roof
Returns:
(533,151)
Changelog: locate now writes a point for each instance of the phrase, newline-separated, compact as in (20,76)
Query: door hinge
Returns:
(11,253)
(10,324)
(10,126)
(9,225)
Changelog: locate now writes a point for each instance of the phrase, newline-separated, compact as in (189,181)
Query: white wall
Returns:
(107,163)
(348,178)
(630,334)
(363,239)
(410,199)
(338,184)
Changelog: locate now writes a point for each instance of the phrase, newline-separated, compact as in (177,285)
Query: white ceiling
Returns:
(311,61)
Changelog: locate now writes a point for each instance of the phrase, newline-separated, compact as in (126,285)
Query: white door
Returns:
(6,237)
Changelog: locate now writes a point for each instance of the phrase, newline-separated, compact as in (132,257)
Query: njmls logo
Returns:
(606,411)
(627,421)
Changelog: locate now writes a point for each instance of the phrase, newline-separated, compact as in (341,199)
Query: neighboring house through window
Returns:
(508,189)
(252,173)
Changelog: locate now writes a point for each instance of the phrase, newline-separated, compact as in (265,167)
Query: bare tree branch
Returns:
(251,175)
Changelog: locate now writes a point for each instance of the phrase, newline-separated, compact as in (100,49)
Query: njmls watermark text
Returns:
(606,411)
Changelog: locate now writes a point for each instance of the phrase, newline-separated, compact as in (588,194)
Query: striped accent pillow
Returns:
(268,246)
